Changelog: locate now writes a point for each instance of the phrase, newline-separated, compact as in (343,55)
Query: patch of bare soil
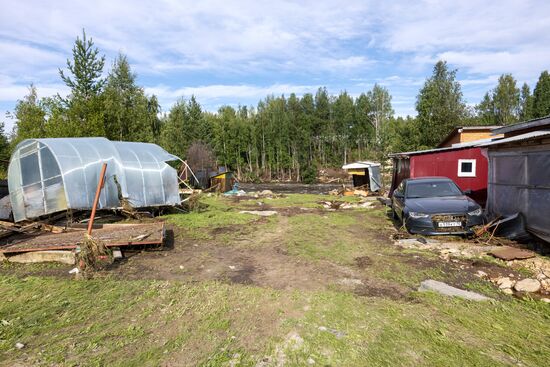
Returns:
(378,288)
(363,261)
(255,260)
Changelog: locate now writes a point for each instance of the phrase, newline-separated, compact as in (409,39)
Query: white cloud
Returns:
(229,48)
(172,35)
(211,95)
(10,90)
(524,63)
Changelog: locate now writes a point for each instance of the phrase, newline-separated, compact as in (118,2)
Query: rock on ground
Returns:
(447,290)
(527,285)
(505,283)
(60,256)
(262,213)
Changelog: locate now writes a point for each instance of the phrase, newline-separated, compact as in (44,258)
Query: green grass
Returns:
(339,236)
(304,200)
(218,214)
(143,323)
(66,322)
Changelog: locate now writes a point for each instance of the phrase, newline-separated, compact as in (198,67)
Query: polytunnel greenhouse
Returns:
(51,175)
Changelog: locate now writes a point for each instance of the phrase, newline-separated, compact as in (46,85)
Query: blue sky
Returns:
(237,52)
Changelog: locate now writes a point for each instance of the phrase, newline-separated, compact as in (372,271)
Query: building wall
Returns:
(446,164)
(455,139)
(519,182)
(401,171)
(473,135)
(467,136)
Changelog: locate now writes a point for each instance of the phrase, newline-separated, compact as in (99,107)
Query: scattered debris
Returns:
(117,253)
(527,285)
(384,200)
(235,193)
(261,213)
(336,205)
(511,227)
(114,235)
(265,193)
(19,345)
(447,290)
(93,254)
(508,253)
(74,271)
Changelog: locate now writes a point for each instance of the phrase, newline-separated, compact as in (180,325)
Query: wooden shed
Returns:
(223,181)
(365,173)
(465,164)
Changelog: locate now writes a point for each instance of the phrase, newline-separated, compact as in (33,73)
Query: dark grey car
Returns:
(435,206)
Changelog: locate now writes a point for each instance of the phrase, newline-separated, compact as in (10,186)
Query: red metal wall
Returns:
(446,164)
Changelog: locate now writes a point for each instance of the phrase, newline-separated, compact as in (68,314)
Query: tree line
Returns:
(283,137)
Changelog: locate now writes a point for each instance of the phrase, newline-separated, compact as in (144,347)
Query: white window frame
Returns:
(466,174)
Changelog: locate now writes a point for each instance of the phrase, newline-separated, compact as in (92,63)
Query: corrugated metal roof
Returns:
(542,121)
(360,164)
(522,137)
(469,144)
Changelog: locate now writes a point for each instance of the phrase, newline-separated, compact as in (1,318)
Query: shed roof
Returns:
(541,122)
(360,165)
(519,138)
(469,144)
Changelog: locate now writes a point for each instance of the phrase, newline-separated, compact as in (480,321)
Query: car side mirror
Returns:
(468,192)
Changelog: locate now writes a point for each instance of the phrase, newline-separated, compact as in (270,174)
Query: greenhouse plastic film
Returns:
(51,175)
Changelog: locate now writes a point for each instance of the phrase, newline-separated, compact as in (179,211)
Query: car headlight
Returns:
(418,215)
(476,212)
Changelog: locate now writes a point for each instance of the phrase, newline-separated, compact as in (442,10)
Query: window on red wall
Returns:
(466,168)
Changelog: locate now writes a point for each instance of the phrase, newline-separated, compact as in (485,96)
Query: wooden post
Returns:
(96,199)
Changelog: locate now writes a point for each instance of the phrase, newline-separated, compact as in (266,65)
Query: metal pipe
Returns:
(96,199)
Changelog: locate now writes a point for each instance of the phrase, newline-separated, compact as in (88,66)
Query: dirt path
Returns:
(259,259)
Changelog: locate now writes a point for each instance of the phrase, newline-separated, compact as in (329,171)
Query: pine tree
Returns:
(440,105)
(86,69)
(129,114)
(541,95)
(526,103)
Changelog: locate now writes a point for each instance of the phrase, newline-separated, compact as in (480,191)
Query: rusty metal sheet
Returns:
(512,253)
(114,235)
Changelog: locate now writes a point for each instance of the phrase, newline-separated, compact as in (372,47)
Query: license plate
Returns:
(449,224)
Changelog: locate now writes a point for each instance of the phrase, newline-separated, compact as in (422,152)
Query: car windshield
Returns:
(432,189)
